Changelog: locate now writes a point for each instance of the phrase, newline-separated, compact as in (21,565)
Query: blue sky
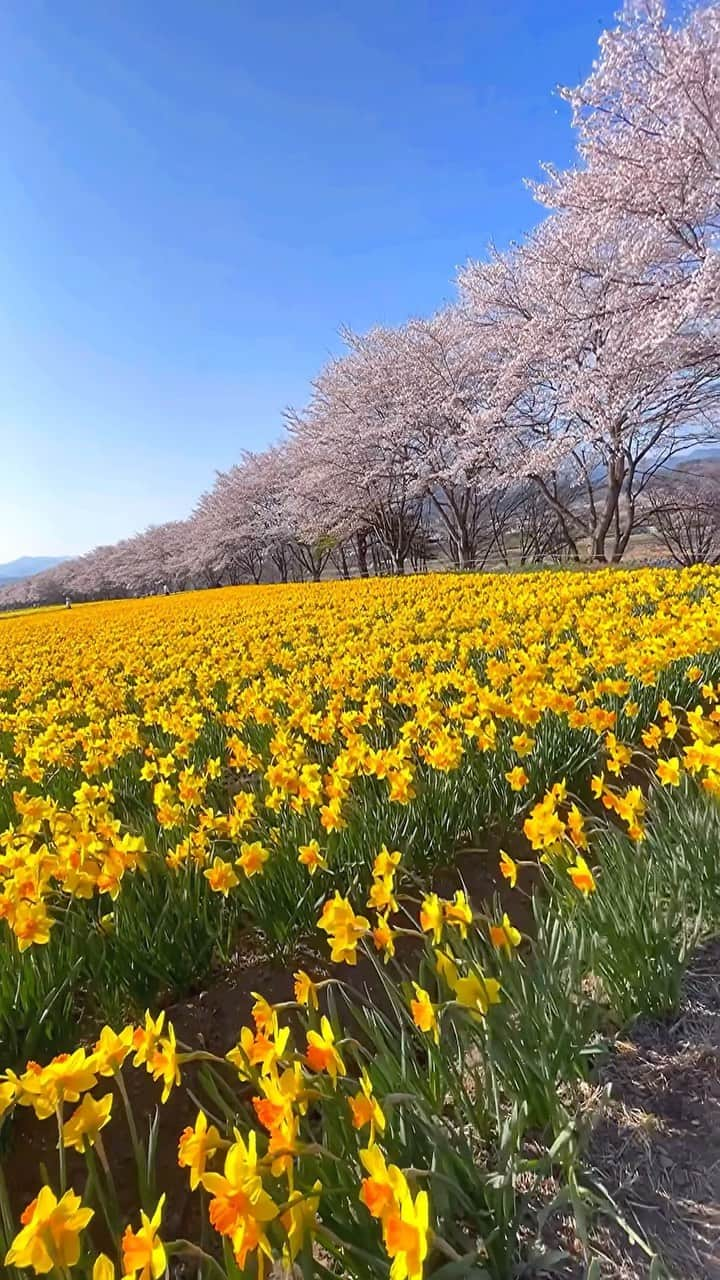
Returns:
(199,192)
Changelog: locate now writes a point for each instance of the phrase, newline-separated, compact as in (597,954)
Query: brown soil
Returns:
(656,1146)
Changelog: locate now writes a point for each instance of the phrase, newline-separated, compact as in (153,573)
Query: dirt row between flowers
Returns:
(655,1145)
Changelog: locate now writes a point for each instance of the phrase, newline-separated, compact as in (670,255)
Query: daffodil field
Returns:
(313,774)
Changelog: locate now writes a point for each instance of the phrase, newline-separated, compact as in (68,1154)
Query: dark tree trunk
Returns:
(361,541)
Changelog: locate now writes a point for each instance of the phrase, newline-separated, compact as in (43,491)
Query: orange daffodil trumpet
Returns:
(505,934)
(508,869)
(240,1208)
(365,1108)
(581,876)
(143,1253)
(322,1054)
(404,1219)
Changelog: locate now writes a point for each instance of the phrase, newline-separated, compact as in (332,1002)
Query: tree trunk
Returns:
(465,551)
(562,517)
(397,559)
(597,546)
(616,475)
(361,550)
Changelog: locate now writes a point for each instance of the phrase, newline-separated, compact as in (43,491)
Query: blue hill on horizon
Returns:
(25,566)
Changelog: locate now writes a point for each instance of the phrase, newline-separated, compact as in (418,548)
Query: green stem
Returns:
(94,1187)
(128,1110)
(339,1246)
(5,1213)
(137,1149)
(107,1170)
(203,1106)
(112,1218)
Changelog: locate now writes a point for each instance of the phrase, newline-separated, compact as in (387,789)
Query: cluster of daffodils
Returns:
(258,1153)
(298,1096)
(239,730)
(69,1090)
(50,851)
(266,749)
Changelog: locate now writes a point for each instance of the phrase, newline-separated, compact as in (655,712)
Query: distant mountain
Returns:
(701,466)
(25,566)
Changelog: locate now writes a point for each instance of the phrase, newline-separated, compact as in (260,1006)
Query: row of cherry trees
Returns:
(539,415)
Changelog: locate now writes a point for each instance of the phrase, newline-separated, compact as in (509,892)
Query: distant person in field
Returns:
(166,589)
(67,602)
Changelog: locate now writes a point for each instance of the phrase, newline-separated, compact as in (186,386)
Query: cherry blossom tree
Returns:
(447,385)
(241,523)
(606,319)
(357,473)
(602,376)
(227,541)
(141,565)
(647,121)
(378,444)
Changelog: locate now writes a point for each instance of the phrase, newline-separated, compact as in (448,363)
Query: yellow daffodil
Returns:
(668,771)
(321,1052)
(86,1121)
(196,1146)
(312,857)
(581,875)
(50,1234)
(505,934)
(432,916)
(221,876)
(423,1012)
(508,868)
(406,1234)
(306,991)
(517,778)
(365,1108)
(143,1253)
(458,913)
